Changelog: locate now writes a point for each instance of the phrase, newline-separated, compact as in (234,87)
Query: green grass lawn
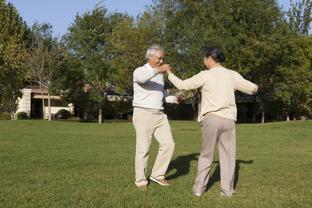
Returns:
(65,164)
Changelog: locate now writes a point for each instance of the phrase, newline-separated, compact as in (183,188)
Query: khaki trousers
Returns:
(149,122)
(217,131)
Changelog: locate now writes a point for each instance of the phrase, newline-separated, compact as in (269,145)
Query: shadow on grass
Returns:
(215,176)
(182,165)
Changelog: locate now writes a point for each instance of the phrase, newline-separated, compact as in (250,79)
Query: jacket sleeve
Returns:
(192,83)
(244,85)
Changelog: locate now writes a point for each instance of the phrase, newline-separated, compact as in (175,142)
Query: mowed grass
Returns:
(64,164)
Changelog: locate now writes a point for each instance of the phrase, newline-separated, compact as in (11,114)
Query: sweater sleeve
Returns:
(192,83)
(143,74)
(170,98)
(244,85)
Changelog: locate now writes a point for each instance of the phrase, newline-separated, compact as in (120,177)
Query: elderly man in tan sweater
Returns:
(218,116)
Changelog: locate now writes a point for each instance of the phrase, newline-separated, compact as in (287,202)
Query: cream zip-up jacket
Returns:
(218,86)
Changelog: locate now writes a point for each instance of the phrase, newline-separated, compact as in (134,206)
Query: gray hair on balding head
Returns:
(152,50)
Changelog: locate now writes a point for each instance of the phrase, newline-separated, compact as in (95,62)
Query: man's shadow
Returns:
(182,165)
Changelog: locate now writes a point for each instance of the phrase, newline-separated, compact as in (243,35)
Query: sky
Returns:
(61,13)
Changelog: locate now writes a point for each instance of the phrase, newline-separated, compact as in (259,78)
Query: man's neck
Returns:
(152,65)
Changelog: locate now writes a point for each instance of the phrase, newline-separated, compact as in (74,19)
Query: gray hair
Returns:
(152,50)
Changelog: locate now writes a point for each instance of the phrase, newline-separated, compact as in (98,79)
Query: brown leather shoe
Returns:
(142,187)
(162,182)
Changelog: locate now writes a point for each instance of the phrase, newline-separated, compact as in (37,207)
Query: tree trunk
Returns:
(49,106)
(42,98)
(254,110)
(85,116)
(100,115)
(196,102)
(12,116)
(13,109)
(262,111)
(254,116)
(103,101)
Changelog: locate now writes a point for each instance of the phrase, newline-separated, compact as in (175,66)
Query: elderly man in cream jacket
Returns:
(218,116)
(149,118)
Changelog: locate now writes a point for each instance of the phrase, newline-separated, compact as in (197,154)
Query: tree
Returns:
(300,16)
(294,86)
(128,43)
(42,53)
(87,42)
(13,43)
(68,79)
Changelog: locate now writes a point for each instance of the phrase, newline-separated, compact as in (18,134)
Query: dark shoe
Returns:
(162,182)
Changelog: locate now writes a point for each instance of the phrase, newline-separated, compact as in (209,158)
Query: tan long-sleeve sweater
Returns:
(218,86)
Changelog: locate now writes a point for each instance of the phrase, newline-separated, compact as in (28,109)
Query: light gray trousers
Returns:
(149,122)
(217,131)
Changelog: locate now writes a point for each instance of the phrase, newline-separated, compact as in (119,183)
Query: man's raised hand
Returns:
(163,68)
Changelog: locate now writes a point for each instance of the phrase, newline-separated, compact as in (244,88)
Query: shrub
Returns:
(5,116)
(62,114)
(21,115)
